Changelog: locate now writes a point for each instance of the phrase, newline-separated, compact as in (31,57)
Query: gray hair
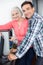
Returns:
(18,9)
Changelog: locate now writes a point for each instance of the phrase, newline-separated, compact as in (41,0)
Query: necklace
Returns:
(19,24)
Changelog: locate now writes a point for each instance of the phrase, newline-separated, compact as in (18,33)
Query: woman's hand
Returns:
(12,38)
(0,34)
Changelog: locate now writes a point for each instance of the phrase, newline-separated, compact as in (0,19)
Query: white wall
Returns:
(5,16)
(5,8)
(29,0)
(40,7)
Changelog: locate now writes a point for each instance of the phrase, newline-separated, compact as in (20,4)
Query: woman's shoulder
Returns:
(12,21)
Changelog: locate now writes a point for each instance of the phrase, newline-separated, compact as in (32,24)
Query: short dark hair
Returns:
(27,2)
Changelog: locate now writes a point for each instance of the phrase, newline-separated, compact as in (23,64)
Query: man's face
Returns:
(28,10)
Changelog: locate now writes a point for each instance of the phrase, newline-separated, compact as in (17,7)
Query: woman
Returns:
(20,26)
(18,23)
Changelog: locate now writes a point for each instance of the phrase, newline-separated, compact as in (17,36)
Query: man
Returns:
(35,36)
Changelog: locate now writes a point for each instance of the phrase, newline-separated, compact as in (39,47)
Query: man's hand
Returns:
(13,50)
(12,57)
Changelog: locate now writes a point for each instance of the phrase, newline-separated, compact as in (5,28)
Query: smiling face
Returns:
(16,15)
(28,10)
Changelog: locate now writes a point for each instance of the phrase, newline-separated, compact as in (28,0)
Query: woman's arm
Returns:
(6,26)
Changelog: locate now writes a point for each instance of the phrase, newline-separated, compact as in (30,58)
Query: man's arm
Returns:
(25,46)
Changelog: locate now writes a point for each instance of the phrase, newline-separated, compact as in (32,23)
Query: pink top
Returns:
(20,31)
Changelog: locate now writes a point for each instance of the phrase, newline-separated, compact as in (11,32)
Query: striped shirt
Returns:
(33,37)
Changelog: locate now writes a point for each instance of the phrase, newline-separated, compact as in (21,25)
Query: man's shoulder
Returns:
(37,16)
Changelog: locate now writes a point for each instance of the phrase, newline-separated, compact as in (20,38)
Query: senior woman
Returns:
(20,27)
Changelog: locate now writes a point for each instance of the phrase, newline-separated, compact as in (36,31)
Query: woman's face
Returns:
(16,15)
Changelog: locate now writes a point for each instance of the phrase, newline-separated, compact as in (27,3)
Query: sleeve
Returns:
(24,47)
(40,35)
(6,26)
